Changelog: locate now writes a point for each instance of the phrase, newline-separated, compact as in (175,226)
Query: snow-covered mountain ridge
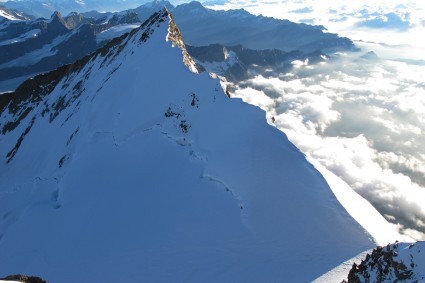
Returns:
(12,15)
(44,8)
(128,166)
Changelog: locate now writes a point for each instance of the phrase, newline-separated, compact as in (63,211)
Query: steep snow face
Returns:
(127,166)
(5,15)
(13,15)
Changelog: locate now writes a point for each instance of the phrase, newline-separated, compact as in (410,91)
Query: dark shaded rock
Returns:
(74,20)
(382,265)
(24,279)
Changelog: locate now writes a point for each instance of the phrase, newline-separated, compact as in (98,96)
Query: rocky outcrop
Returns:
(24,279)
(74,20)
(399,262)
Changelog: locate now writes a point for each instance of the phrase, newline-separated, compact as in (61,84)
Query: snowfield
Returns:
(115,32)
(23,37)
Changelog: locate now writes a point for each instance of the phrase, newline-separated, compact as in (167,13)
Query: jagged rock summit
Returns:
(398,262)
(129,166)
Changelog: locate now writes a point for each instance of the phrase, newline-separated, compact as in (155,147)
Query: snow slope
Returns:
(6,15)
(13,15)
(114,31)
(23,37)
(127,166)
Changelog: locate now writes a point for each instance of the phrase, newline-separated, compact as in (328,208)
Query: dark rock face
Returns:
(75,20)
(392,263)
(24,279)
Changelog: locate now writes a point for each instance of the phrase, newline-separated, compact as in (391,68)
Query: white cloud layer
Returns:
(381,21)
(363,120)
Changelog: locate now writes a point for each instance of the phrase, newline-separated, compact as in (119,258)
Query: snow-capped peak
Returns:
(128,166)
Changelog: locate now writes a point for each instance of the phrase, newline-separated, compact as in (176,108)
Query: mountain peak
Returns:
(147,170)
(155,3)
(56,16)
(174,35)
(37,88)
(193,6)
(57,22)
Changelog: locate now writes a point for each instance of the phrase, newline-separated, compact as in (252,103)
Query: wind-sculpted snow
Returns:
(127,166)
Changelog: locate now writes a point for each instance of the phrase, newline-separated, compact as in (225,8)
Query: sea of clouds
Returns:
(362,114)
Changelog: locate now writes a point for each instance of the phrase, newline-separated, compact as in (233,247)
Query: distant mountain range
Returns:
(237,63)
(30,47)
(201,26)
(44,8)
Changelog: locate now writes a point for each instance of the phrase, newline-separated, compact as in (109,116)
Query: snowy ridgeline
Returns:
(126,165)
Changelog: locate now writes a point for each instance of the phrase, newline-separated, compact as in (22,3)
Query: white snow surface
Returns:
(36,55)
(340,273)
(113,190)
(8,16)
(216,68)
(22,37)
(360,209)
(115,31)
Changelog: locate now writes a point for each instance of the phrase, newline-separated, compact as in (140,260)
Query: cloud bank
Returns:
(364,120)
(380,21)
(361,117)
